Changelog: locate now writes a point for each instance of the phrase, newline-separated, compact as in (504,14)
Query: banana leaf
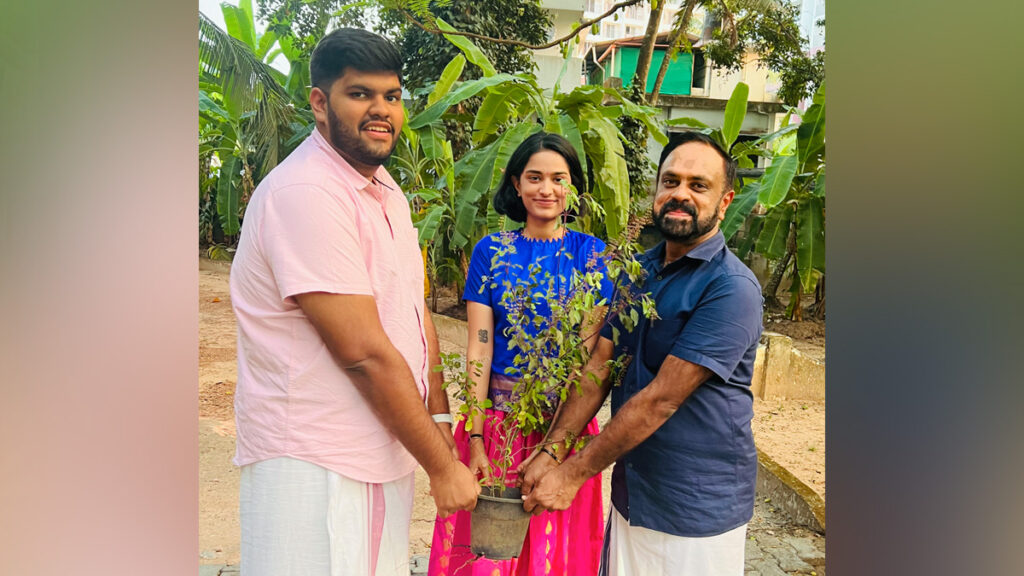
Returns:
(740,208)
(810,239)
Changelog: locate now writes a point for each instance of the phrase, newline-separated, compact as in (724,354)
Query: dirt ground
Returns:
(792,432)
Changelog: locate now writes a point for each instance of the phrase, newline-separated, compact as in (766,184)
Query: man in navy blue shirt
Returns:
(680,437)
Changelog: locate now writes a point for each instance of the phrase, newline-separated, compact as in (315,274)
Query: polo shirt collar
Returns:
(704,251)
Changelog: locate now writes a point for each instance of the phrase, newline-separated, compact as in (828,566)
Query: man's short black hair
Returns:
(355,48)
(679,138)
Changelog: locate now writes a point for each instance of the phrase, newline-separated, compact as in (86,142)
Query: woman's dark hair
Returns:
(506,200)
(352,48)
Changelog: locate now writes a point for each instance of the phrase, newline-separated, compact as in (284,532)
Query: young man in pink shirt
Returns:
(335,349)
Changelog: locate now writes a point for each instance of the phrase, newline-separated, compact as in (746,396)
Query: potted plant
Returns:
(551,353)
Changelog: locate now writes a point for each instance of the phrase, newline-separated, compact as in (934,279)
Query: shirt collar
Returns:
(359,182)
(708,248)
(705,251)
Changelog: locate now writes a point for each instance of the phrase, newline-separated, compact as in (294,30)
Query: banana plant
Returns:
(784,210)
(513,107)
(248,119)
(792,192)
(452,197)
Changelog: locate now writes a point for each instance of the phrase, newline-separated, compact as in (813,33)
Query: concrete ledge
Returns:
(705,103)
(781,371)
(789,494)
(214,265)
(450,330)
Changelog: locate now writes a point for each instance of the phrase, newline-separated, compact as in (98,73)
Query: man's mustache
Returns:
(677,205)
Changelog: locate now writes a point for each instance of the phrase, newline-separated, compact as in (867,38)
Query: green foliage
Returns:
(771,242)
(735,112)
(810,239)
(810,135)
(791,196)
(449,76)
(220,252)
(732,121)
(553,325)
(789,199)
(305,22)
(246,91)
(610,182)
(639,168)
(426,54)
(742,204)
(452,198)
(228,196)
(248,119)
(770,30)
(775,183)
(801,76)
(466,90)
(475,54)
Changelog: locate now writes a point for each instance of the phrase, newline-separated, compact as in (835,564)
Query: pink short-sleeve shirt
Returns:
(314,224)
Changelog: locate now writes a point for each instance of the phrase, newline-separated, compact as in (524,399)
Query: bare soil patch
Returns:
(808,336)
(792,432)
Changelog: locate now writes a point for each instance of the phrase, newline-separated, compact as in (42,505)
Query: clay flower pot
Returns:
(499,524)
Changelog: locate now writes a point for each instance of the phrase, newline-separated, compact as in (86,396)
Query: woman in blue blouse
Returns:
(533,192)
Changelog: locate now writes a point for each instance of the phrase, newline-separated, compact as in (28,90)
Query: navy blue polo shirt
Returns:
(695,475)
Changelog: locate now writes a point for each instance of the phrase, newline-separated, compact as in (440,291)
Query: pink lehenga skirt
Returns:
(563,543)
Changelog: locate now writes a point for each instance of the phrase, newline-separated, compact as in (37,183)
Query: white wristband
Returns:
(439,418)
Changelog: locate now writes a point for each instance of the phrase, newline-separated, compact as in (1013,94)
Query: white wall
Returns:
(763,83)
(564,13)
(548,67)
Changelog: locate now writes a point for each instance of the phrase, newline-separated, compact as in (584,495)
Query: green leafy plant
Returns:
(552,322)
(782,213)
(791,227)
(250,114)
(220,252)
(451,197)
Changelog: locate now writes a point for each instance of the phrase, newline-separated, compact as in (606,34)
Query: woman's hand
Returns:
(479,464)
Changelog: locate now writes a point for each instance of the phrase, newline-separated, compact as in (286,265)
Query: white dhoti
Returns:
(299,519)
(633,550)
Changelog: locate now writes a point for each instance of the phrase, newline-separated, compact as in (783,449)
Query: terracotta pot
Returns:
(499,524)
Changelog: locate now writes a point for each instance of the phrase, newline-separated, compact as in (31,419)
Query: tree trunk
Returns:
(674,42)
(818,310)
(634,148)
(772,301)
(796,313)
(205,197)
(643,62)
(433,293)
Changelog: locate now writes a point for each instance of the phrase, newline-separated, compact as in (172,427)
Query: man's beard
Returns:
(682,230)
(351,146)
